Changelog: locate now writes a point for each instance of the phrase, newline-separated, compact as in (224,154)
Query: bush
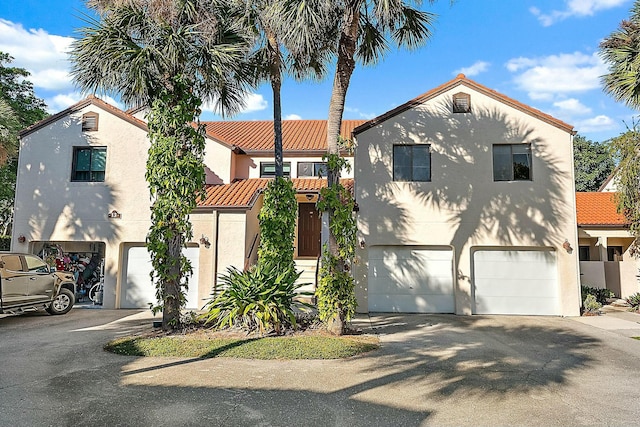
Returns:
(634,301)
(5,243)
(599,294)
(591,305)
(260,299)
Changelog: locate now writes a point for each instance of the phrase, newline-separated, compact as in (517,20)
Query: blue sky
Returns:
(543,53)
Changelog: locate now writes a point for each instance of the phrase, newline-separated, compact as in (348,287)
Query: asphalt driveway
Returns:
(431,370)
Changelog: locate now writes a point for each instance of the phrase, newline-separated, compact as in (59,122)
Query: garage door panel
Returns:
(411,280)
(516,282)
(137,289)
(411,303)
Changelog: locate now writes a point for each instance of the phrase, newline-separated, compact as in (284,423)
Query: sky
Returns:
(543,53)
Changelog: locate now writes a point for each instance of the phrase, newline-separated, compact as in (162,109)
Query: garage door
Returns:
(137,290)
(516,282)
(410,279)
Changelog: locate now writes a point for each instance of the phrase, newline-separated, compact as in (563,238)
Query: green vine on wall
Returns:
(176,177)
(336,289)
(277,221)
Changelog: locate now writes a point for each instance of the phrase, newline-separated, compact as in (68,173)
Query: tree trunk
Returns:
(171,310)
(344,69)
(275,74)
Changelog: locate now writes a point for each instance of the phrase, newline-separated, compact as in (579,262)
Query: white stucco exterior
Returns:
(462,207)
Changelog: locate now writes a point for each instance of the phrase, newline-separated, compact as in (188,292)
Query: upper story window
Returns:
(310,169)
(412,162)
(614,253)
(268,169)
(583,253)
(89,164)
(90,121)
(512,162)
(461,103)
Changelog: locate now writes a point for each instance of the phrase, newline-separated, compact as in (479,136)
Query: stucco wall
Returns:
(462,206)
(249,166)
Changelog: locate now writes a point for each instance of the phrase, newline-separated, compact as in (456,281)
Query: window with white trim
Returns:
(89,164)
(268,169)
(512,162)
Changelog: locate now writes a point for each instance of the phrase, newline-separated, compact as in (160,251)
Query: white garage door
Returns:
(516,282)
(137,290)
(410,279)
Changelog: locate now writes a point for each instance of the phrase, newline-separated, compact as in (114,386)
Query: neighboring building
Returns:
(466,202)
(82,200)
(466,205)
(604,242)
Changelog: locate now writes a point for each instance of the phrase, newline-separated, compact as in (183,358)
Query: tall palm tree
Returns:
(621,51)
(169,55)
(366,28)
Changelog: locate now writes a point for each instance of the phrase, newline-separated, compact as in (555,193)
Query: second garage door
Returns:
(137,290)
(410,279)
(516,282)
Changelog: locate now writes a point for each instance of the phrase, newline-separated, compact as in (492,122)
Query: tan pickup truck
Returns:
(28,283)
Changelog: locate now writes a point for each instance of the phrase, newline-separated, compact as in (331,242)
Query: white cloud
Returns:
(596,124)
(292,117)
(573,8)
(572,107)
(64,100)
(546,77)
(252,102)
(360,114)
(42,54)
(473,70)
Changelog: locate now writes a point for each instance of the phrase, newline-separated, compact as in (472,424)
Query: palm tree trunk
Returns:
(344,69)
(276,84)
(171,310)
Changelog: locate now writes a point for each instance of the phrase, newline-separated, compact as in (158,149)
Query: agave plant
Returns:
(259,299)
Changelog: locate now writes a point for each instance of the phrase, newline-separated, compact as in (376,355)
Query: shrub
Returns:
(634,301)
(591,305)
(5,243)
(259,299)
(599,294)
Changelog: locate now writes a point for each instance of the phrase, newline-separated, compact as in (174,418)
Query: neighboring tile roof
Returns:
(598,209)
(257,136)
(461,79)
(242,194)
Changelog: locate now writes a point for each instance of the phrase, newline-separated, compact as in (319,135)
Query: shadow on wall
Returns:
(58,209)
(462,192)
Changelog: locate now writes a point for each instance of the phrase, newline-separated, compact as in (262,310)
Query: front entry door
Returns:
(309,226)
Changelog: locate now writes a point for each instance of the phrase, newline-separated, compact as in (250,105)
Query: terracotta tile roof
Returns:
(242,194)
(257,136)
(461,79)
(598,209)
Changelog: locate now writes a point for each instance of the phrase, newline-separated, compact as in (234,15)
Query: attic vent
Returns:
(461,103)
(90,121)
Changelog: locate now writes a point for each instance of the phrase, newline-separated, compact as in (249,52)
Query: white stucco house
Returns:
(467,206)
(466,202)
(82,200)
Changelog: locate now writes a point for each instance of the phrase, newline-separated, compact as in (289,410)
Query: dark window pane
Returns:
(584,253)
(320,169)
(269,169)
(502,163)
(421,163)
(402,163)
(305,169)
(521,162)
(98,159)
(83,160)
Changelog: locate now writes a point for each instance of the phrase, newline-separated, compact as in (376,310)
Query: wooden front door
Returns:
(309,229)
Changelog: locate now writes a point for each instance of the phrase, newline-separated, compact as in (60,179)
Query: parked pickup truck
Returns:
(28,283)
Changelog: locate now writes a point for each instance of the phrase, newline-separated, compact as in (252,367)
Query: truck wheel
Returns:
(63,303)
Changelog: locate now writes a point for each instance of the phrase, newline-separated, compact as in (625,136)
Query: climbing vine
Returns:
(336,289)
(277,220)
(176,177)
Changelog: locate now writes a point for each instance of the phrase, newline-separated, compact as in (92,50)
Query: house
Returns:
(82,201)
(604,241)
(466,202)
(466,205)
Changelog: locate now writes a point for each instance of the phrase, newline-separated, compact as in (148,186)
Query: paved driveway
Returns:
(431,370)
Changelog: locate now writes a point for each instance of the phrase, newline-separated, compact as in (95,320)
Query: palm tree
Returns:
(169,55)
(621,51)
(365,31)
